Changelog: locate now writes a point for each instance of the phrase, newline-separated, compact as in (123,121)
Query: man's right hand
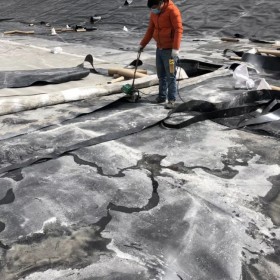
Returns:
(140,48)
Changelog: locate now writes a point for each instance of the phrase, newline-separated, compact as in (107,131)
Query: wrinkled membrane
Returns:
(200,18)
(132,200)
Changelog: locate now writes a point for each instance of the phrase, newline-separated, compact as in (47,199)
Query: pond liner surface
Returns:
(91,142)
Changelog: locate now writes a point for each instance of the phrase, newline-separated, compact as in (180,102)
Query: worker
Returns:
(166,27)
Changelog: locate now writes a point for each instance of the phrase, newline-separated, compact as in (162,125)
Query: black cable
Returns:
(178,89)
(168,85)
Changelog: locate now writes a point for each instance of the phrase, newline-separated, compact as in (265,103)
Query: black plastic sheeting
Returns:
(257,111)
(24,78)
(200,17)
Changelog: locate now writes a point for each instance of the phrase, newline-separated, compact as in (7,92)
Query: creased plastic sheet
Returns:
(247,110)
(226,17)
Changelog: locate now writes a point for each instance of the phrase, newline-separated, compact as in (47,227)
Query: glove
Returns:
(174,53)
(140,48)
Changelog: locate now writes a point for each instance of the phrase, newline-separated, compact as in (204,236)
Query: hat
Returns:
(152,3)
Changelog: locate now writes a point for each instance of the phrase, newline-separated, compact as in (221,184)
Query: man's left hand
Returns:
(174,53)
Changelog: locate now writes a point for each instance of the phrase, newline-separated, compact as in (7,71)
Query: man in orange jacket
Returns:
(166,28)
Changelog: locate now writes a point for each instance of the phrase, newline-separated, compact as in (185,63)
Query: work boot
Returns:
(170,105)
(160,100)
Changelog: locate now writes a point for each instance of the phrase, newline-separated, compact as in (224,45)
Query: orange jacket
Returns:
(166,28)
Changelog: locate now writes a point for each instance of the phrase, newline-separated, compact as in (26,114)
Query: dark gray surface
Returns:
(195,203)
(114,197)
(253,18)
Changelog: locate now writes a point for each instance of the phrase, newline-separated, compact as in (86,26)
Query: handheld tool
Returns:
(132,93)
